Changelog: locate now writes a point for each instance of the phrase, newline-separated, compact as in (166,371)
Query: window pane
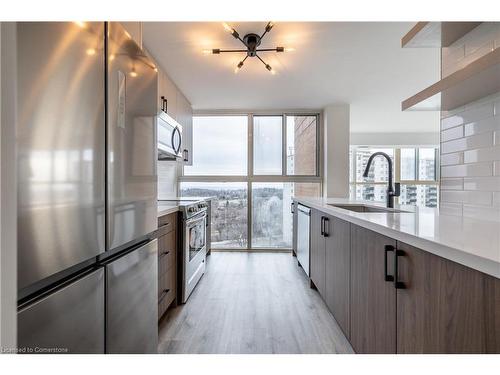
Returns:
(229,210)
(379,170)
(219,146)
(271,212)
(375,193)
(427,164)
(419,195)
(408,164)
(267,143)
(301,145)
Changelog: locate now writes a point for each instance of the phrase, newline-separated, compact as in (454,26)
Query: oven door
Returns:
(196,235)
(193,266)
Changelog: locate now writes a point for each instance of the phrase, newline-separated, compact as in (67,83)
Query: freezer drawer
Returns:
(60,146)
(70,320)
(132,301)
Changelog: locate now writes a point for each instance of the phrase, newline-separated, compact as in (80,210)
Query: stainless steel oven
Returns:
(194,250)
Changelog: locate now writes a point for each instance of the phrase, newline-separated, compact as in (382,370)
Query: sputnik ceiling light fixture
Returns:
(251,42)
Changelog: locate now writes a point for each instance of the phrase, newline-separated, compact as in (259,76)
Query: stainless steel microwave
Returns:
(169,137)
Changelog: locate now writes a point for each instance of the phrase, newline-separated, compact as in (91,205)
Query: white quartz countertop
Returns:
(471,242)
(171,205)
(165,208)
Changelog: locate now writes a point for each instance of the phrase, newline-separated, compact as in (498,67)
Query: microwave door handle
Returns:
(178,147)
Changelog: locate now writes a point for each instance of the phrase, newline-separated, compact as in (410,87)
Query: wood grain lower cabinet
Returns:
(330,264)
(445,307)
(167,262)
(317,252)
(373,299)
(337,272)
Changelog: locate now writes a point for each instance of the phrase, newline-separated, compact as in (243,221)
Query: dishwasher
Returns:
(303,230)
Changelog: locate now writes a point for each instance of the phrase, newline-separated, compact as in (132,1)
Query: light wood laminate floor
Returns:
(252,303)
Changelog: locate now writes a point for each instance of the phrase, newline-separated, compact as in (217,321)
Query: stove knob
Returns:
(191,209)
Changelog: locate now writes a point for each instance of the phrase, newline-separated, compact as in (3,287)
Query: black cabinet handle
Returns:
(163,102)
(326,229)
(291,208)
(164,253)
(186,154)
(387,248)
(322,225)
(398,284)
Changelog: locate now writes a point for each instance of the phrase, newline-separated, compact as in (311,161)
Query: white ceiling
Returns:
(360,63)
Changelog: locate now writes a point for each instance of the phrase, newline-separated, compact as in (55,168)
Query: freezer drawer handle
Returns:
(163,295)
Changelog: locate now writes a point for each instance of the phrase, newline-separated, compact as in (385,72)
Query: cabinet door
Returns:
(185,118)
(317,253)
(445,307)
(337,260)
(373,300)
(170,93)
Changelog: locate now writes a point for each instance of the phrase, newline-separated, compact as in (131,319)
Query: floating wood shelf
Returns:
(478,79)
(436,34)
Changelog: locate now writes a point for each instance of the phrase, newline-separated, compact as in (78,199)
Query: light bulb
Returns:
(111,57)
(236,70)
(133,73)
(228,28)
(207,51)
(90,51)
(81,24)
(289,49)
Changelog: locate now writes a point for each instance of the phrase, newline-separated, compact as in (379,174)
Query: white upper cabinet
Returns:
(178,107)
(185,118)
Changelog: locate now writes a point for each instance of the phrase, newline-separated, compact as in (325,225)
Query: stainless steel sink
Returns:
(363,208)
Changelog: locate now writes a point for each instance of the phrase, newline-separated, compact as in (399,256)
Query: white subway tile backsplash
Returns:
(450,159)
(482,126)
(481,212)
(450,209)
(496,198)
(470,136)
(452,133)
(464,170)
(473,197)
(167,179)
(482,154)
(451,121)
(452,184)
(482,183)
(496,168)
(467,143)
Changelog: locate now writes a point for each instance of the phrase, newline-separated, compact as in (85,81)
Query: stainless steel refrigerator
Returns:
(87,253)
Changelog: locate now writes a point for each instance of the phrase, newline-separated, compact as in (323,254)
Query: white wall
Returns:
(396,139)
(336,150)
(8,208)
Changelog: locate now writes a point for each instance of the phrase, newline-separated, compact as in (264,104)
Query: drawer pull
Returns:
(165,225)
(387,248)
(164,253)
(163,295)
(398,284)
